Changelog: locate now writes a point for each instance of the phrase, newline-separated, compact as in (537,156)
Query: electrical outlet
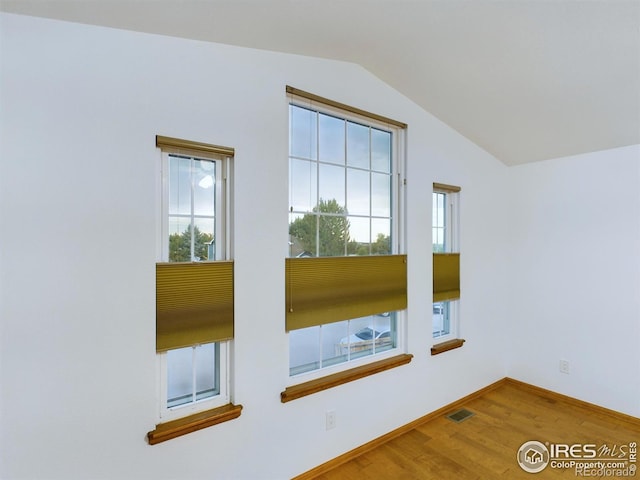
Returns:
(330,418)
(565,366)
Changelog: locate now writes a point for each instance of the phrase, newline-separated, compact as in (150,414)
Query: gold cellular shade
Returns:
(446,276)
(194,303)
(323,290)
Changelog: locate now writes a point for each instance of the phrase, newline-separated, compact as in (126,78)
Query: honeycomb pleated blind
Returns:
(323,290)
(194,303)
(446,276)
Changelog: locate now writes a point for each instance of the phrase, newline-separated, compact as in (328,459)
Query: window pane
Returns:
(303,235)
(333,335)
(331,137)
(179,185)
(362,336)
(438,240)
(358,197)
(303,190)
(303,133)
(439,205)
(206,365)
(332,186)
(357,145)
(381,195)
(359,236)
(179,376)
(386,325)
(381,235)
(441,319)
(333,232)
(204,233)
(438,209)
(204,189)
(304,350)
(179,239)
(380,151)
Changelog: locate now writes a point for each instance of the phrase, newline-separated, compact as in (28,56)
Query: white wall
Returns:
(575,276)
(80,107)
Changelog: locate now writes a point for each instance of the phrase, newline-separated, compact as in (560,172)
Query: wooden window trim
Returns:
(444,188)
(341,106)
(446,346)
(198,421)
(189,147)
(314,386)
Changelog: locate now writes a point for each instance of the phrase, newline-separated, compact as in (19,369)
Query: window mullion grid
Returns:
(370,168)
(193,375)
(192,177)
(319,215)
(373,335)
(348,340)
(317,202)
(164,221)
(221,361)
(453,215)
(219,207)
(346,206)
(446,241)
(320,360)
(445,221)
(448,209)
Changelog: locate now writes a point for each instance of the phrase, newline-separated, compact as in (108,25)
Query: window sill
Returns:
(182,426)
(314,386)
(446,346)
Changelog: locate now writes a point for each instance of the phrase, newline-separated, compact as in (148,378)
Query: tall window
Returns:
(445,245)
(343,196)
(193,369)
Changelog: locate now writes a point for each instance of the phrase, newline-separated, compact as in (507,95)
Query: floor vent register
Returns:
(460,415)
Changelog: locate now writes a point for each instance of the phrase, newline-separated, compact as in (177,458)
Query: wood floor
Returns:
(485,446)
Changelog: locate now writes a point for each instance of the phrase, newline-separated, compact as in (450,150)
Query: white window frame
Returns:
(357,362)
(222,212)
(398,227)
(223,251)
(452,245)
(222,398)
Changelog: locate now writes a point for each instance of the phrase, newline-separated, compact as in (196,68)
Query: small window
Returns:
(344,202)
(445,241)
(192,374)
(194,209)
(193,377)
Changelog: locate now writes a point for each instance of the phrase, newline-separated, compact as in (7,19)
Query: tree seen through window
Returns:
(325,232)
(180,246)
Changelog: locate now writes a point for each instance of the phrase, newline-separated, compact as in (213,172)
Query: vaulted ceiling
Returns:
(526,80)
